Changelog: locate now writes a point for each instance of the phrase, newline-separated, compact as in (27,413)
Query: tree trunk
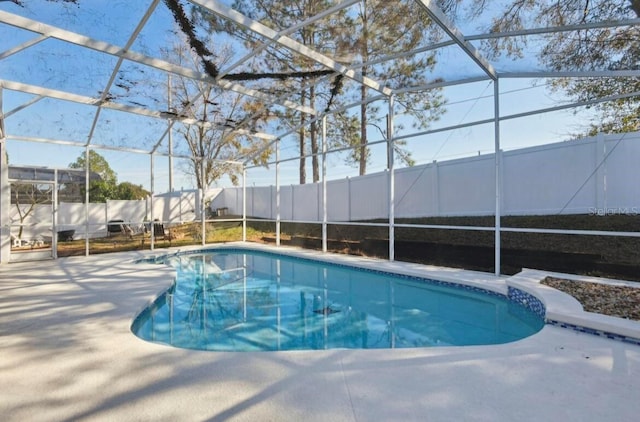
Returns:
(301,136)
(314,140)
(635,6)
(363,129)
(363,91)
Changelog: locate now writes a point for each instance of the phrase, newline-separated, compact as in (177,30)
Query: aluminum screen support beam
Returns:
(287,31)
(81,99)
(438,16)
(573,74)
(54,209)
(546,30)
(5,196)
(498,173)
(116,68)
(151,216)
(442,84)
(23,106)
(86,200)
(50,93)
(392,182)
(244,203)
(114,50)
(202,193)
(2,115)
(324,184)
(170,135)
(22,46)
(278,192)
(236,17)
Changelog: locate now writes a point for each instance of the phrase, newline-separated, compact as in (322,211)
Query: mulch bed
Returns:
(617,301)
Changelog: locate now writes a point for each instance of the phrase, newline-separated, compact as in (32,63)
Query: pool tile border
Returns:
(593,331)
(527,300)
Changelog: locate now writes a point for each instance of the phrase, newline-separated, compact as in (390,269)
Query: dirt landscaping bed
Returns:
(608,256)
(617,301)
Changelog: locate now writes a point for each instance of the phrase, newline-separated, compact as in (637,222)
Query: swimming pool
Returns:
(244,300)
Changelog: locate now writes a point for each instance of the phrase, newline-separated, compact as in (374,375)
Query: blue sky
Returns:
(40,64)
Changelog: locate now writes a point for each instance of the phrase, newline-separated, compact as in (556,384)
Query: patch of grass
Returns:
(182,235)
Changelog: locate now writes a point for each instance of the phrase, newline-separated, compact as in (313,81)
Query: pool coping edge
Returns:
(562,308)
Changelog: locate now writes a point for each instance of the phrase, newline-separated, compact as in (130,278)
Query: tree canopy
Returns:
(586,49)
(107,187)
(385,28)
(214,142)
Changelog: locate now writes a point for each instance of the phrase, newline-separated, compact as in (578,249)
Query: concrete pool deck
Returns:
(68,354)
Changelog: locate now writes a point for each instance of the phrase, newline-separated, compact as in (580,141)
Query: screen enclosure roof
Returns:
(122,75)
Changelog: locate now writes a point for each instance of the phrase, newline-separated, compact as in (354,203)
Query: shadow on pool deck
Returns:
(68,354)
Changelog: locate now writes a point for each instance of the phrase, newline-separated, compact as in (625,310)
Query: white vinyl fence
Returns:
(173,208)
(593,175)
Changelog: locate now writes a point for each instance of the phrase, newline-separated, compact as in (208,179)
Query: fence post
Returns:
(436,189)
(392,180)
(601,174)
(348,198)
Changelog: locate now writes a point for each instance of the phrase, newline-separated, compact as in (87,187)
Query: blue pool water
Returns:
(241,300)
